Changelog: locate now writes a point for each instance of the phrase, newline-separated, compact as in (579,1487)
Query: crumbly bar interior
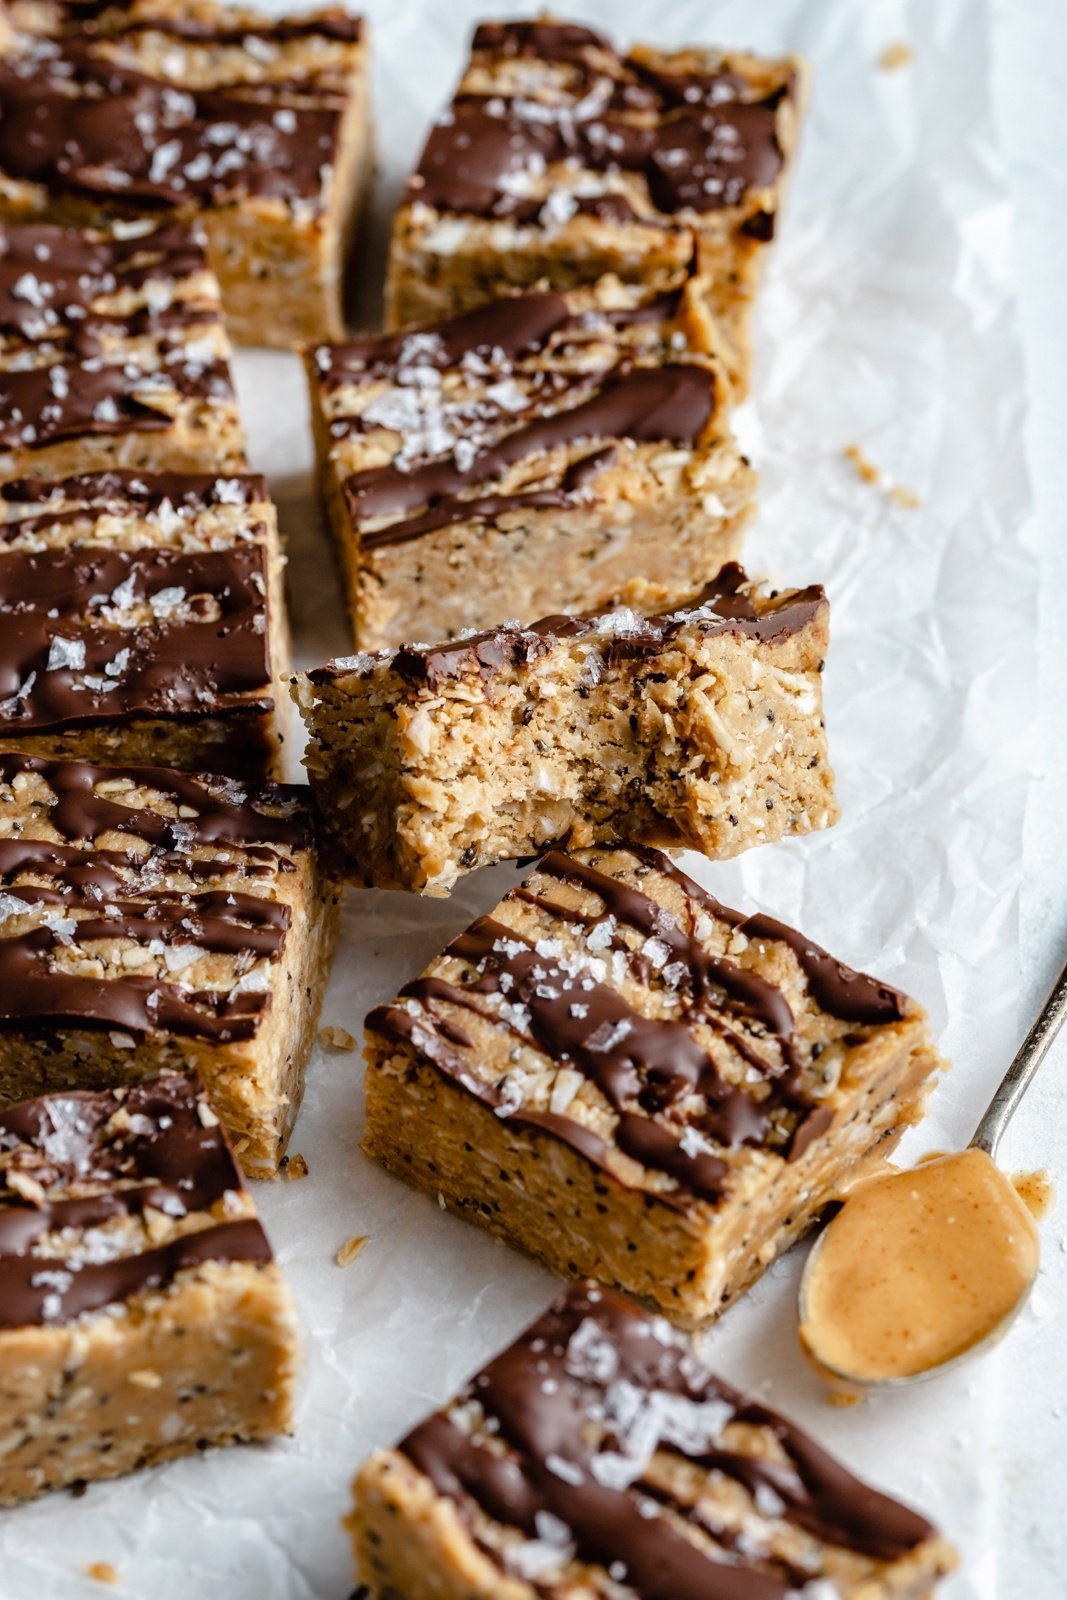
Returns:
(599,1455)
(561,159)
(557,446)
(625,1078)
(700,726)
(147,620)
(112,352)
(191,930)
(143,1316)
(258,126)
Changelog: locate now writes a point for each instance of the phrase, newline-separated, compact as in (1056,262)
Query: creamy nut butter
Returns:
(917,1268)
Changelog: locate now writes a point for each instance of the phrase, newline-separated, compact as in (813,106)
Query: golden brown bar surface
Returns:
(699,725)
(142,619)
(561,159)
(112,352)
(143,1316)
(627,1079)
(536,455)
(599,1456)
(256,127)
(155,919)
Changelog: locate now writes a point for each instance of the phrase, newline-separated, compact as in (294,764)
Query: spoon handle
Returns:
(1017,1079)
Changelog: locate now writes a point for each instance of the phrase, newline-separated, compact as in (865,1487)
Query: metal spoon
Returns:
(987,1137)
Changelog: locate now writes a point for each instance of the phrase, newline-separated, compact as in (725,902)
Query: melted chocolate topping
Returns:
(62,665)
(334,24)
(81,123)
(671,403)
(119,893)
(700,140)
(96,1157)
(53,282)
(560,1401)
(849,995)
(46,270)
(573,489)
(118,491)
(645,1067)
(724,606)
(503,329)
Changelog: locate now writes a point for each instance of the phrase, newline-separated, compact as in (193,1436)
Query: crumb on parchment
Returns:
(865,468)
(351,1249)
(898,54)
(294,1166)
(336,1039)
(903,498)
(102,1572)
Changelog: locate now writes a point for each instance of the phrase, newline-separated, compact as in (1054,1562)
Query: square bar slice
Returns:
(151,919)
(112,352)
(701,725)
(534,455)
(599,1457)
(627,1079)
(142,1315)
(256,126)
(560,160)
(142,619)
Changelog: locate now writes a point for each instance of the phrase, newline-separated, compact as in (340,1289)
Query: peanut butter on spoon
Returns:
(918,1268)
(923,1267)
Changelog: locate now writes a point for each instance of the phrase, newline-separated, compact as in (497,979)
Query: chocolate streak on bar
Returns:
(538,1397)
(500,331)
(212,658)
(163,1155)
(724,606)
(224,922)
(544,39)
(700,158)
(124,492)
(129,139)
(35,988)
(333,24)
(45,1290)
(102,401)
(840,990)
(46,270)
(571,491)
(673,404)
(504,328)
(80,812)
(101,873)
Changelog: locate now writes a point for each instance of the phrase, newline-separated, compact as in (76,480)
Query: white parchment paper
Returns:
(887,321)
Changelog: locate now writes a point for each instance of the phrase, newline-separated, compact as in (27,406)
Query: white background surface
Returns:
(983,1452)
(1030,1457)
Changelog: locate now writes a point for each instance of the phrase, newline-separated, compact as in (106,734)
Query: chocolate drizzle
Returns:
(91,494)
(59,289)
(573,488)
(561,1402)
(672,403)
(82,123)
(90,1159)
(648,1068)
(727,605)
(46,270)
(203,652)
(501,330)
(700,141)
(89,896)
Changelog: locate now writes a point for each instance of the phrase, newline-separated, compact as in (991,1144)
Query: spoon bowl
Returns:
(944,1262)
(850,1383)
